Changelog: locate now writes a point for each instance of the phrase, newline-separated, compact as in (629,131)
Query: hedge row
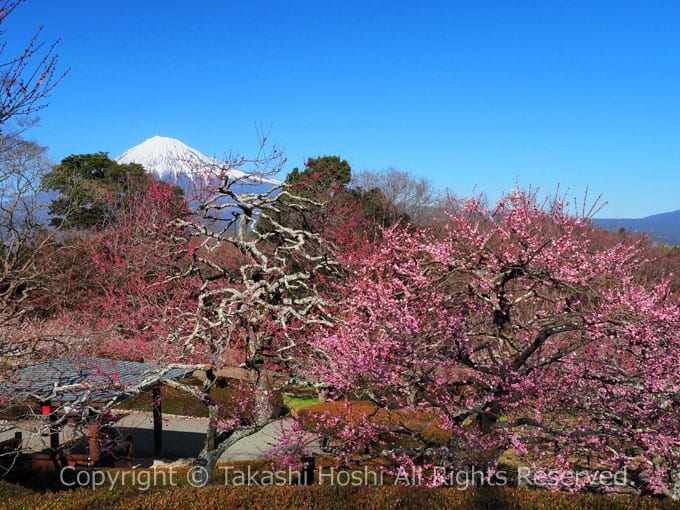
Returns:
(327,497)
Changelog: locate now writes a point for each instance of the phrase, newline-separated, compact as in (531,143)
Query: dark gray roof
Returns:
(106,378)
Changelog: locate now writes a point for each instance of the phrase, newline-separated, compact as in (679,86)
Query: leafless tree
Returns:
(413,196)
(28,78)
(23,237)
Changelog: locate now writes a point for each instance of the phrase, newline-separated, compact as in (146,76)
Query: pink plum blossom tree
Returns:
(506,329)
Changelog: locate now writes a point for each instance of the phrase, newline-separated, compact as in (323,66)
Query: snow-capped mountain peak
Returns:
(173,161)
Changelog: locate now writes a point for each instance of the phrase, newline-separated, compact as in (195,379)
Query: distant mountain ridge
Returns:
(664,227)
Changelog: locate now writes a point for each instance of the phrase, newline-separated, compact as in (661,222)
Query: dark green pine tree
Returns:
(322,177)
(325,174)
(91,189)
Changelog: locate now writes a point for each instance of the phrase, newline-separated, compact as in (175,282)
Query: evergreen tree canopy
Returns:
(92,188)
(321,175)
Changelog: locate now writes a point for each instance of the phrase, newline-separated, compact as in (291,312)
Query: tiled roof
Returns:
(105,378)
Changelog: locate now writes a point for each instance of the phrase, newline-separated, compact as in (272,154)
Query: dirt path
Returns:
(183,437)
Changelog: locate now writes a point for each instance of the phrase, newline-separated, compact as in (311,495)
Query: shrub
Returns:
(321,496)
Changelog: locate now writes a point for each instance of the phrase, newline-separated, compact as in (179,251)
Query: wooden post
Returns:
(157,422)
(48,411)
(93,444)
(307,473)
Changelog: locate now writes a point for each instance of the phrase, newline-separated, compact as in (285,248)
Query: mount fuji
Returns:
(177,163)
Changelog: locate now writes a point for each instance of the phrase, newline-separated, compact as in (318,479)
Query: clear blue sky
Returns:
(464,93)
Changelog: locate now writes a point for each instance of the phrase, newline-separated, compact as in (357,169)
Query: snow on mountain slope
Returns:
(173,161)
(178,164)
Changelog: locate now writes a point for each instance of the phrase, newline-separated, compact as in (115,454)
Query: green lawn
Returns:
(299,402)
